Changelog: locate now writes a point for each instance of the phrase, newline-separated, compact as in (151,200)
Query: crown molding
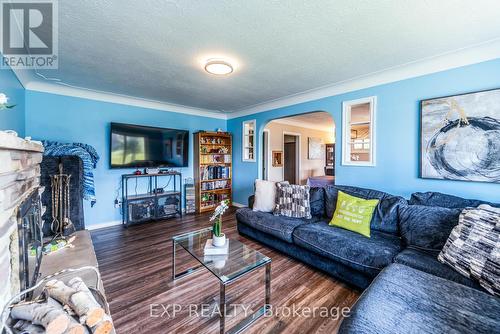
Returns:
(54,88)
(287,121)
(462,57)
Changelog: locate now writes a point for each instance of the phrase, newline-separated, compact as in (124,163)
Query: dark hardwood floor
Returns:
(135,264)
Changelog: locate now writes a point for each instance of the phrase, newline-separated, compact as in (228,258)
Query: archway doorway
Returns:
(299,149)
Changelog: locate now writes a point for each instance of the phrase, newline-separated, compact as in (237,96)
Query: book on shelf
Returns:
(214,172)
(214,185)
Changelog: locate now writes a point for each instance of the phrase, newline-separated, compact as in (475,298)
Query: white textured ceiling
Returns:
(152,49)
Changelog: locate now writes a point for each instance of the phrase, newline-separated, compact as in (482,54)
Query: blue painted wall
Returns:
(398,134)
(71,119)
(12,119)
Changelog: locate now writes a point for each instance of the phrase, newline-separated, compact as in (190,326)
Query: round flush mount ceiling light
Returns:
(218,67)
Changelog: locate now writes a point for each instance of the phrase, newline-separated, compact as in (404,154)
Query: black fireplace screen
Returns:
(30,240)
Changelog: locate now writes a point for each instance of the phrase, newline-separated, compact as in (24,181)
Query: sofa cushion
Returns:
(473,248)
(293,201)
(426,227)
(405,300)
(265,196)
(431,198)
(278,226)
(354,213)
(385,217)
(368,255)
(317,200)
(428,262)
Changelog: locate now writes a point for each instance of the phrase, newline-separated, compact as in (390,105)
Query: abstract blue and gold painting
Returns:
(461,137)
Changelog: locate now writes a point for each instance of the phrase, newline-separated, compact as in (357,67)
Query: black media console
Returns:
(148,197)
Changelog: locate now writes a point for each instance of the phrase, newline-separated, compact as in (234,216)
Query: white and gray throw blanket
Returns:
(473,248)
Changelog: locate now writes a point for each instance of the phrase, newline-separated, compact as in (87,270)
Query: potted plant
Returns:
(219,238)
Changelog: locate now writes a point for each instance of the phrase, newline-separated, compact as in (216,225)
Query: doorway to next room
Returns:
(300,149)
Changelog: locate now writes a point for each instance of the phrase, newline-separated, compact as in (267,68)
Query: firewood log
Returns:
(53,319)
(26,327)
(105,326)
(79,299)
(92,319)
(74,326)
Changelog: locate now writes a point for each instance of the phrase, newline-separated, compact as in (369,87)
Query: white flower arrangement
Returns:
(217,217)
(3,102)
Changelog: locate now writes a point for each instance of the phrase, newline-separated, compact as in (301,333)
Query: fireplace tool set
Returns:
(61,224)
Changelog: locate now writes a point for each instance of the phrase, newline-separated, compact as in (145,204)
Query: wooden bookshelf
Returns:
(213,169)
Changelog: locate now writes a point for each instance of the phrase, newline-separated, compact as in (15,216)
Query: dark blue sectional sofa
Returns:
(407,289)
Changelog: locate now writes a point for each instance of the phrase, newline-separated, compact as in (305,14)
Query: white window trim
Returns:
(254,122)
(346,132)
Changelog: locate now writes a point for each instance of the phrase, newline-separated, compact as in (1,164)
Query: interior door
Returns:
(290,159)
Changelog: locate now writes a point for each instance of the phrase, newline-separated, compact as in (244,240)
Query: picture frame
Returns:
(314,146)
(277,158)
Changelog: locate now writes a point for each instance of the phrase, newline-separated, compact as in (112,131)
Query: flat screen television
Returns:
(134,146)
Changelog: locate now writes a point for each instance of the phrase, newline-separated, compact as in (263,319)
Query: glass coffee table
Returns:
(240,261)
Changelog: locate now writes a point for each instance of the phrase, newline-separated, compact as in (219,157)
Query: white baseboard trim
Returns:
(239,205)
(103,225)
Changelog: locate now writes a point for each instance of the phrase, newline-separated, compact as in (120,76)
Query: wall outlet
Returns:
(118,203)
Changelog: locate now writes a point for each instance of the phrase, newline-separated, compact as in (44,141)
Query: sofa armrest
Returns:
(251,200)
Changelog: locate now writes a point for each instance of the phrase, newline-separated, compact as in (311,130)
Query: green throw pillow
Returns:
(354,213)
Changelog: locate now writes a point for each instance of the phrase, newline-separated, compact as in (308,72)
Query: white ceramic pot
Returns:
(219,241)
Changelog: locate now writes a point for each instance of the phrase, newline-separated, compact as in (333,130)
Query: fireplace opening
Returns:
(29,226)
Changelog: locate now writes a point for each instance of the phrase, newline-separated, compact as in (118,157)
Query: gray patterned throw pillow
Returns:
(473,248)
(293,201)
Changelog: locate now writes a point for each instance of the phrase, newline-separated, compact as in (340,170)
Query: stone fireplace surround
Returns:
(19,178)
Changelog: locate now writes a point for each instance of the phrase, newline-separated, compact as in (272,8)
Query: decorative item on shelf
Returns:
(3,102)
(460,137)
(152,170)
(219,238)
